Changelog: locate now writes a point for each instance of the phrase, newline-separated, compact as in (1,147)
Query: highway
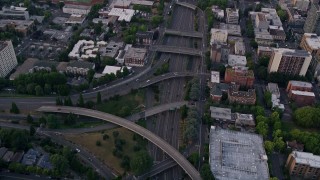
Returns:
(157,168)
(176,50)
(194,34)
(171,151)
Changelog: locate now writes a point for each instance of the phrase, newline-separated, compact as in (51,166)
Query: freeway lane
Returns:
(172,152)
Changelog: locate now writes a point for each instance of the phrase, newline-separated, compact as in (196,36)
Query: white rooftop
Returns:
(215,76)
(303,93)
(313,40)
(122,14)
(307,158)
(111,69)
(300,84)
(237,60)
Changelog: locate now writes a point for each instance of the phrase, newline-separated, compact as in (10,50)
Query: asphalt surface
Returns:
(171,151)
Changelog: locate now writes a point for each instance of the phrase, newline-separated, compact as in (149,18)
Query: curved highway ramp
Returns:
(166,147)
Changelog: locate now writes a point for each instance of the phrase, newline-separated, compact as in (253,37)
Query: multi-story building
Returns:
(232,29)
(219,52)
(76,9)
(22,26)
(301,5)
(301,93)
(241,97)
(240,76)
(8,60)
(86,3)
(289,61)
(264,51)
(232,16)
(217,90)
(239,48)
(135,57)
(224,115)
(312,24)
(144,38)
(304,165)
(237,60)
(311,43)
(218,36)
(277,33)
(13,12)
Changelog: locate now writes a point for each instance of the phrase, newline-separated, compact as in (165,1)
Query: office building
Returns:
(224,115)
(8,60)
(304,165)
(76,9)
(232,16)
(135,57)
(289,61)
(312,24)
(237,155)
(301,5)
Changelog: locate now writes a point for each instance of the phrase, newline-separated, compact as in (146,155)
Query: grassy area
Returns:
(104,151)
(124,105)
(82,125)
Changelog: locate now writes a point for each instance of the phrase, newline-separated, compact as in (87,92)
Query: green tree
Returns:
(262,129)
(14,108)
(32,130)
(68,101)
(29,119)
(279,144)
(38,90)
(141,162)
(99,98)
(269,146)
(205,172)
(59,101)
(80,100)
(52,122)
(282,14)
(60,163)
(267,98)
(125,71)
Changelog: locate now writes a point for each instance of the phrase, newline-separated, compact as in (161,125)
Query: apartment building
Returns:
(312,24)
(219,52)
(264,51)
(241,97)
(8,60)
(311,43)
(76,9)
(135,57)
(289,61)
(79,67)
(13,12)
(232,16)
(218,36)
(301,93)
(301,4)
(304,165)
(240,76)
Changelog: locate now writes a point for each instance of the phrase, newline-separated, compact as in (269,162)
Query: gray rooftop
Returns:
(237,155)
(81,64)
(220,113)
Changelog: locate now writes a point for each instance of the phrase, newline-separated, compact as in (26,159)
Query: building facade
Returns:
(312,24)
(311,43)
(302,5)
(8,60)
(289,61)
(135,57)
(304,165)
(232,16)
(301,93)
(240,76)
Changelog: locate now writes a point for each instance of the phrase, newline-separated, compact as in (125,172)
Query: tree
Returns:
(14,108)
(141,162)
(125,71)
(267,98)
(307,117)
(29,119)
(279,144)
(259,111)
(59,101)
(269,146)
(99,98)
(282,14)
(274,117)
(68,101)
(262,129)
(60,163)
(47,89)
(52,122)
(32,130)
(70,119)
(205,172)
(156,20)
(39,91)
(80,100)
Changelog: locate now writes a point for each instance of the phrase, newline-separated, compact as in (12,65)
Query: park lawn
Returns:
(124,106)
(104,152)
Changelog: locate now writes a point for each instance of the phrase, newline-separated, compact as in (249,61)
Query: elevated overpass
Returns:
(176,50)
(158,168)
(156,110)
(194,34)
(166,147)
(187,5)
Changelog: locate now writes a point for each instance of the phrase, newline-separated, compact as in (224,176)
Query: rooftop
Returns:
(3,44)
(234,91)
(300,84)
(77,6)
(136,53)
(237,60)
(218,88)
(292,52)
(237,155)
(241,71)
(81,64)
(273,88)
(232,29)
(313,40)
(220,113)
(307,158)
(303,93)
(123,14)
(215,76)
(111,69)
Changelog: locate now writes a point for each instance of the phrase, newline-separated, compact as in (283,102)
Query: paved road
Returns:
(160,167)
(183,33)
(176,50)
(172,152)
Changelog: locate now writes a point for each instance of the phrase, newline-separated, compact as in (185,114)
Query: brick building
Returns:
(135,57)
(304,165)
(301,93)
(239,75)
(241,97)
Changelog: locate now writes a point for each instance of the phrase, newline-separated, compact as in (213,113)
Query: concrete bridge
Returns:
(194,34)
(187,5)
(176,50)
